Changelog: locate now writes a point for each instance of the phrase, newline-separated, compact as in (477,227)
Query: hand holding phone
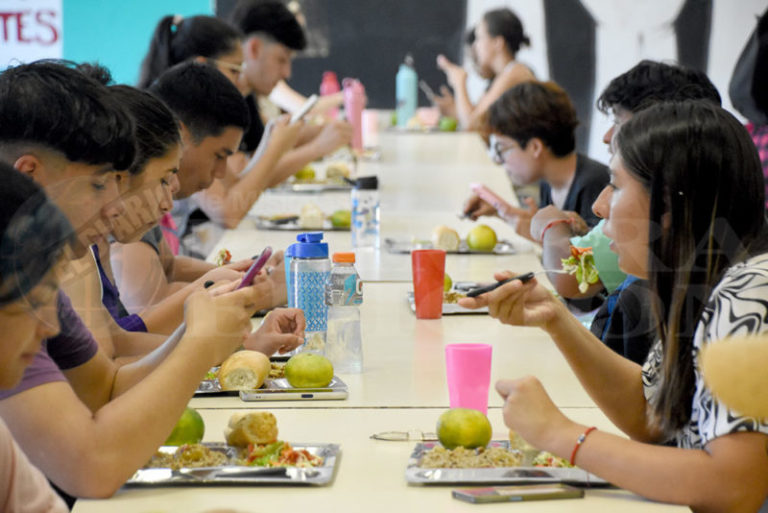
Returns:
(257,265)
(304,109)
(503,208)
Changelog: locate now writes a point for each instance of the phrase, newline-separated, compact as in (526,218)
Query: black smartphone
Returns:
(516,493)
(256,266)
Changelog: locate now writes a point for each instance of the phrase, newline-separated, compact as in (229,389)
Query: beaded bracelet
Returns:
(579,441)
(554,223)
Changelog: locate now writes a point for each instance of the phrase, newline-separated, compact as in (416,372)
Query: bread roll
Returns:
(734,370)
(244,370)
(256,428)
(445,238)
(337,170)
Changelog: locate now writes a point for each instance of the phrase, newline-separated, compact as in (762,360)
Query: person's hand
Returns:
(326,103)
(517,303)
(281,331)
(529,411)
(475,207)
(578,224)
(523,218)
(275,270)
(334,135)
(284,134)
(455,74)
(219,319)
(445,102)
(230,272)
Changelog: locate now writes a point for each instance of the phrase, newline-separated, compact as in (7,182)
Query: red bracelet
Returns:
(554,223)
(579,441)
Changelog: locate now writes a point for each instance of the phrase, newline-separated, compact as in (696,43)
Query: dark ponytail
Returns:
(177,39)
(505,23)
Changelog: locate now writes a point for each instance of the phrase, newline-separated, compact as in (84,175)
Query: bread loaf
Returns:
(445,238)
(256,428)
(244,370)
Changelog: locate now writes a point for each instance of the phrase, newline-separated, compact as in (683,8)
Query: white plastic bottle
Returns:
(343,297)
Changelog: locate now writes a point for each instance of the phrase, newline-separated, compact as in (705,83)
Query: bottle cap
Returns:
(409,60)
(344,257)
(309,246)
(367,183)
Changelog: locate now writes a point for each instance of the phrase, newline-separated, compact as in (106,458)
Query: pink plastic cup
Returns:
(428,267)
(468,369)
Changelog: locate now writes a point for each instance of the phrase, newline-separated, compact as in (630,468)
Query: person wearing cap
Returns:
(272,36)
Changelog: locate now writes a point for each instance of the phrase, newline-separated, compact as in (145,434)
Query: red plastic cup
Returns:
(428,267)
(468,369)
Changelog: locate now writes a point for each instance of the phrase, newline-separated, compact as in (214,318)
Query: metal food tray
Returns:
(312,187)
(292,225)
(495,476)
(503,247)
(277,389)
(242,475)
(448,308)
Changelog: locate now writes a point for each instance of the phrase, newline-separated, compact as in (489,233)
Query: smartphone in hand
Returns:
(493,199)
(304,109)
(257,265)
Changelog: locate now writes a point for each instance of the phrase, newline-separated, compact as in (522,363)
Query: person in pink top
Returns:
(33,232)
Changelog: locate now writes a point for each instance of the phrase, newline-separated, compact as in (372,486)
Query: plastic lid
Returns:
(367,182)
(309,246)
(344,257)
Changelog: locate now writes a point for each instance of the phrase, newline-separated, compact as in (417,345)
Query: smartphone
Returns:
(493,199)
(517,493)
(257,265)
(299,114)
(427,91)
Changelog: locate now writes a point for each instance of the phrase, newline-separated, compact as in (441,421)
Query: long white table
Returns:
(424,181)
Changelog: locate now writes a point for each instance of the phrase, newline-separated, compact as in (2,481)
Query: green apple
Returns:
(305,173)
(448,124)
(447,283)
(341,219)
(481,238)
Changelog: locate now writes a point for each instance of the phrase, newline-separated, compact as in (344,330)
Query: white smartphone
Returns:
(299,114)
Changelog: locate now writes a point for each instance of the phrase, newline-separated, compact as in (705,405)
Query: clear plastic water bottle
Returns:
(406,91)
(365,212)
(343,296)
(309,271)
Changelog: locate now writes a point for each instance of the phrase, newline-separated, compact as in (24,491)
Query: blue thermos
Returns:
(407,90)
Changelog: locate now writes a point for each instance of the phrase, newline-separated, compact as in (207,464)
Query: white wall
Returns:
(628,31)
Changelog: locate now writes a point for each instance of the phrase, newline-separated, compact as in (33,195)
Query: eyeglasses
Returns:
(497,151)
(238,69)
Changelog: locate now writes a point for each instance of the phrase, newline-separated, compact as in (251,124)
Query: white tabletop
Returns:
(370,476)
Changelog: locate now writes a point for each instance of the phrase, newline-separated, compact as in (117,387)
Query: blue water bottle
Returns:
(406,91)
(309,269)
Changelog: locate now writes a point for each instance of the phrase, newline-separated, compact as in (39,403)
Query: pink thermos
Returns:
(330,85)
(354,103)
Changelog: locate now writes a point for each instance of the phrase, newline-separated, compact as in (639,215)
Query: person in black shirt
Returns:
(532,134)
